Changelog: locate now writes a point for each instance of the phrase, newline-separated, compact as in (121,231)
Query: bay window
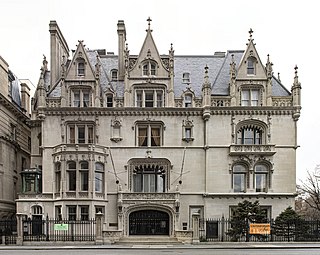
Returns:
(84,176)
(98,177)
(72,176)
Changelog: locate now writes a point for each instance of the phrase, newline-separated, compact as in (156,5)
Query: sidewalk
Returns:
(225,245)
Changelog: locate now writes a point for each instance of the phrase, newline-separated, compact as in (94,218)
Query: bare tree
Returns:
(308,201)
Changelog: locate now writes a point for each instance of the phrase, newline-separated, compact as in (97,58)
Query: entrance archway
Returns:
(149,222)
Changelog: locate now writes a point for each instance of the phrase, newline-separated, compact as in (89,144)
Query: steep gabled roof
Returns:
(80,53)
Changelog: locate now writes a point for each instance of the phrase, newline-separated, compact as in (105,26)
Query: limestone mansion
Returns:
(154,138)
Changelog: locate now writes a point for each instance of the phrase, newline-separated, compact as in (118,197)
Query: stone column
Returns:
(195,227)
(19,229)
(99,222)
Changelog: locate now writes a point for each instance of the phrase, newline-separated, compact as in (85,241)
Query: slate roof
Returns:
(15,89)
(194,65)
(219,76)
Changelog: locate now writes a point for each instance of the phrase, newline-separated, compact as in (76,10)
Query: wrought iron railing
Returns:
(59,230)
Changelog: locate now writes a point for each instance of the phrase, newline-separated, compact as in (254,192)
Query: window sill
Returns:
(116,139)
(188,139)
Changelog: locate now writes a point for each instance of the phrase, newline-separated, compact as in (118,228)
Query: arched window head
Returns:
(149,68)
(149,178)
(251,66)
(36,210)
(250,134)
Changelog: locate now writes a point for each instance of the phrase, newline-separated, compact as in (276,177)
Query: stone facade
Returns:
(157,136)
(15,138)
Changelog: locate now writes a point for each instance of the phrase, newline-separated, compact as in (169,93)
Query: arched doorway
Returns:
(149,222)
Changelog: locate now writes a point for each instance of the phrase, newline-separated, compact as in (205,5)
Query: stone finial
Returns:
(269,67)
(250,34)
(171,51)
(206,83)
(296,82)
(97,66)
(149,24)
(233,71)
(206,74)
(45,62)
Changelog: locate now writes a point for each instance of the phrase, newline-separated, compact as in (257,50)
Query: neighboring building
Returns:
(150,139)
(15,137)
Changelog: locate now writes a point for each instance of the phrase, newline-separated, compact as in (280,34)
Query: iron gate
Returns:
(149,222)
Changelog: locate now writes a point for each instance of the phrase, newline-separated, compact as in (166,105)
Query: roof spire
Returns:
(149,23)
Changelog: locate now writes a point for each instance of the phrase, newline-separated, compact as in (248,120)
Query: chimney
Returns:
(58,49)
(121,48)
(25,97)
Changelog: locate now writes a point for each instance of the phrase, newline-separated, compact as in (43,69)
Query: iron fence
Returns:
(218,230)
(59,230)
(8,231)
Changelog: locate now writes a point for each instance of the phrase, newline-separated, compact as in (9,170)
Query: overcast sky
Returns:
(287,30)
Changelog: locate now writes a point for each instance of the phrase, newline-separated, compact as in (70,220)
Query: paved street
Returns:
(158,250)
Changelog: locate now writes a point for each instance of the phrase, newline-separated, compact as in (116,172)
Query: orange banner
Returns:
(260,229)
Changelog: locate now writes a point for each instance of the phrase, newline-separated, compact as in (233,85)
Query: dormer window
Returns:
(251,66)
(188,100)
(149,68)
(114,75)
(109,100)
(81,67)
(186,78)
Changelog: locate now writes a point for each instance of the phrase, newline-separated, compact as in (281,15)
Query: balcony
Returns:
(253,149)
(149,196)
(171,199)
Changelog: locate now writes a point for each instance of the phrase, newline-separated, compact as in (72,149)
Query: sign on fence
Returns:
(63,227)
(260,228)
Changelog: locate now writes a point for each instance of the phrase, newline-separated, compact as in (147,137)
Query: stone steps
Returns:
(148,240)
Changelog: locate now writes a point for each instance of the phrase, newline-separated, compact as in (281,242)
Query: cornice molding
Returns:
(167,111)
(250,195)
(13,108)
